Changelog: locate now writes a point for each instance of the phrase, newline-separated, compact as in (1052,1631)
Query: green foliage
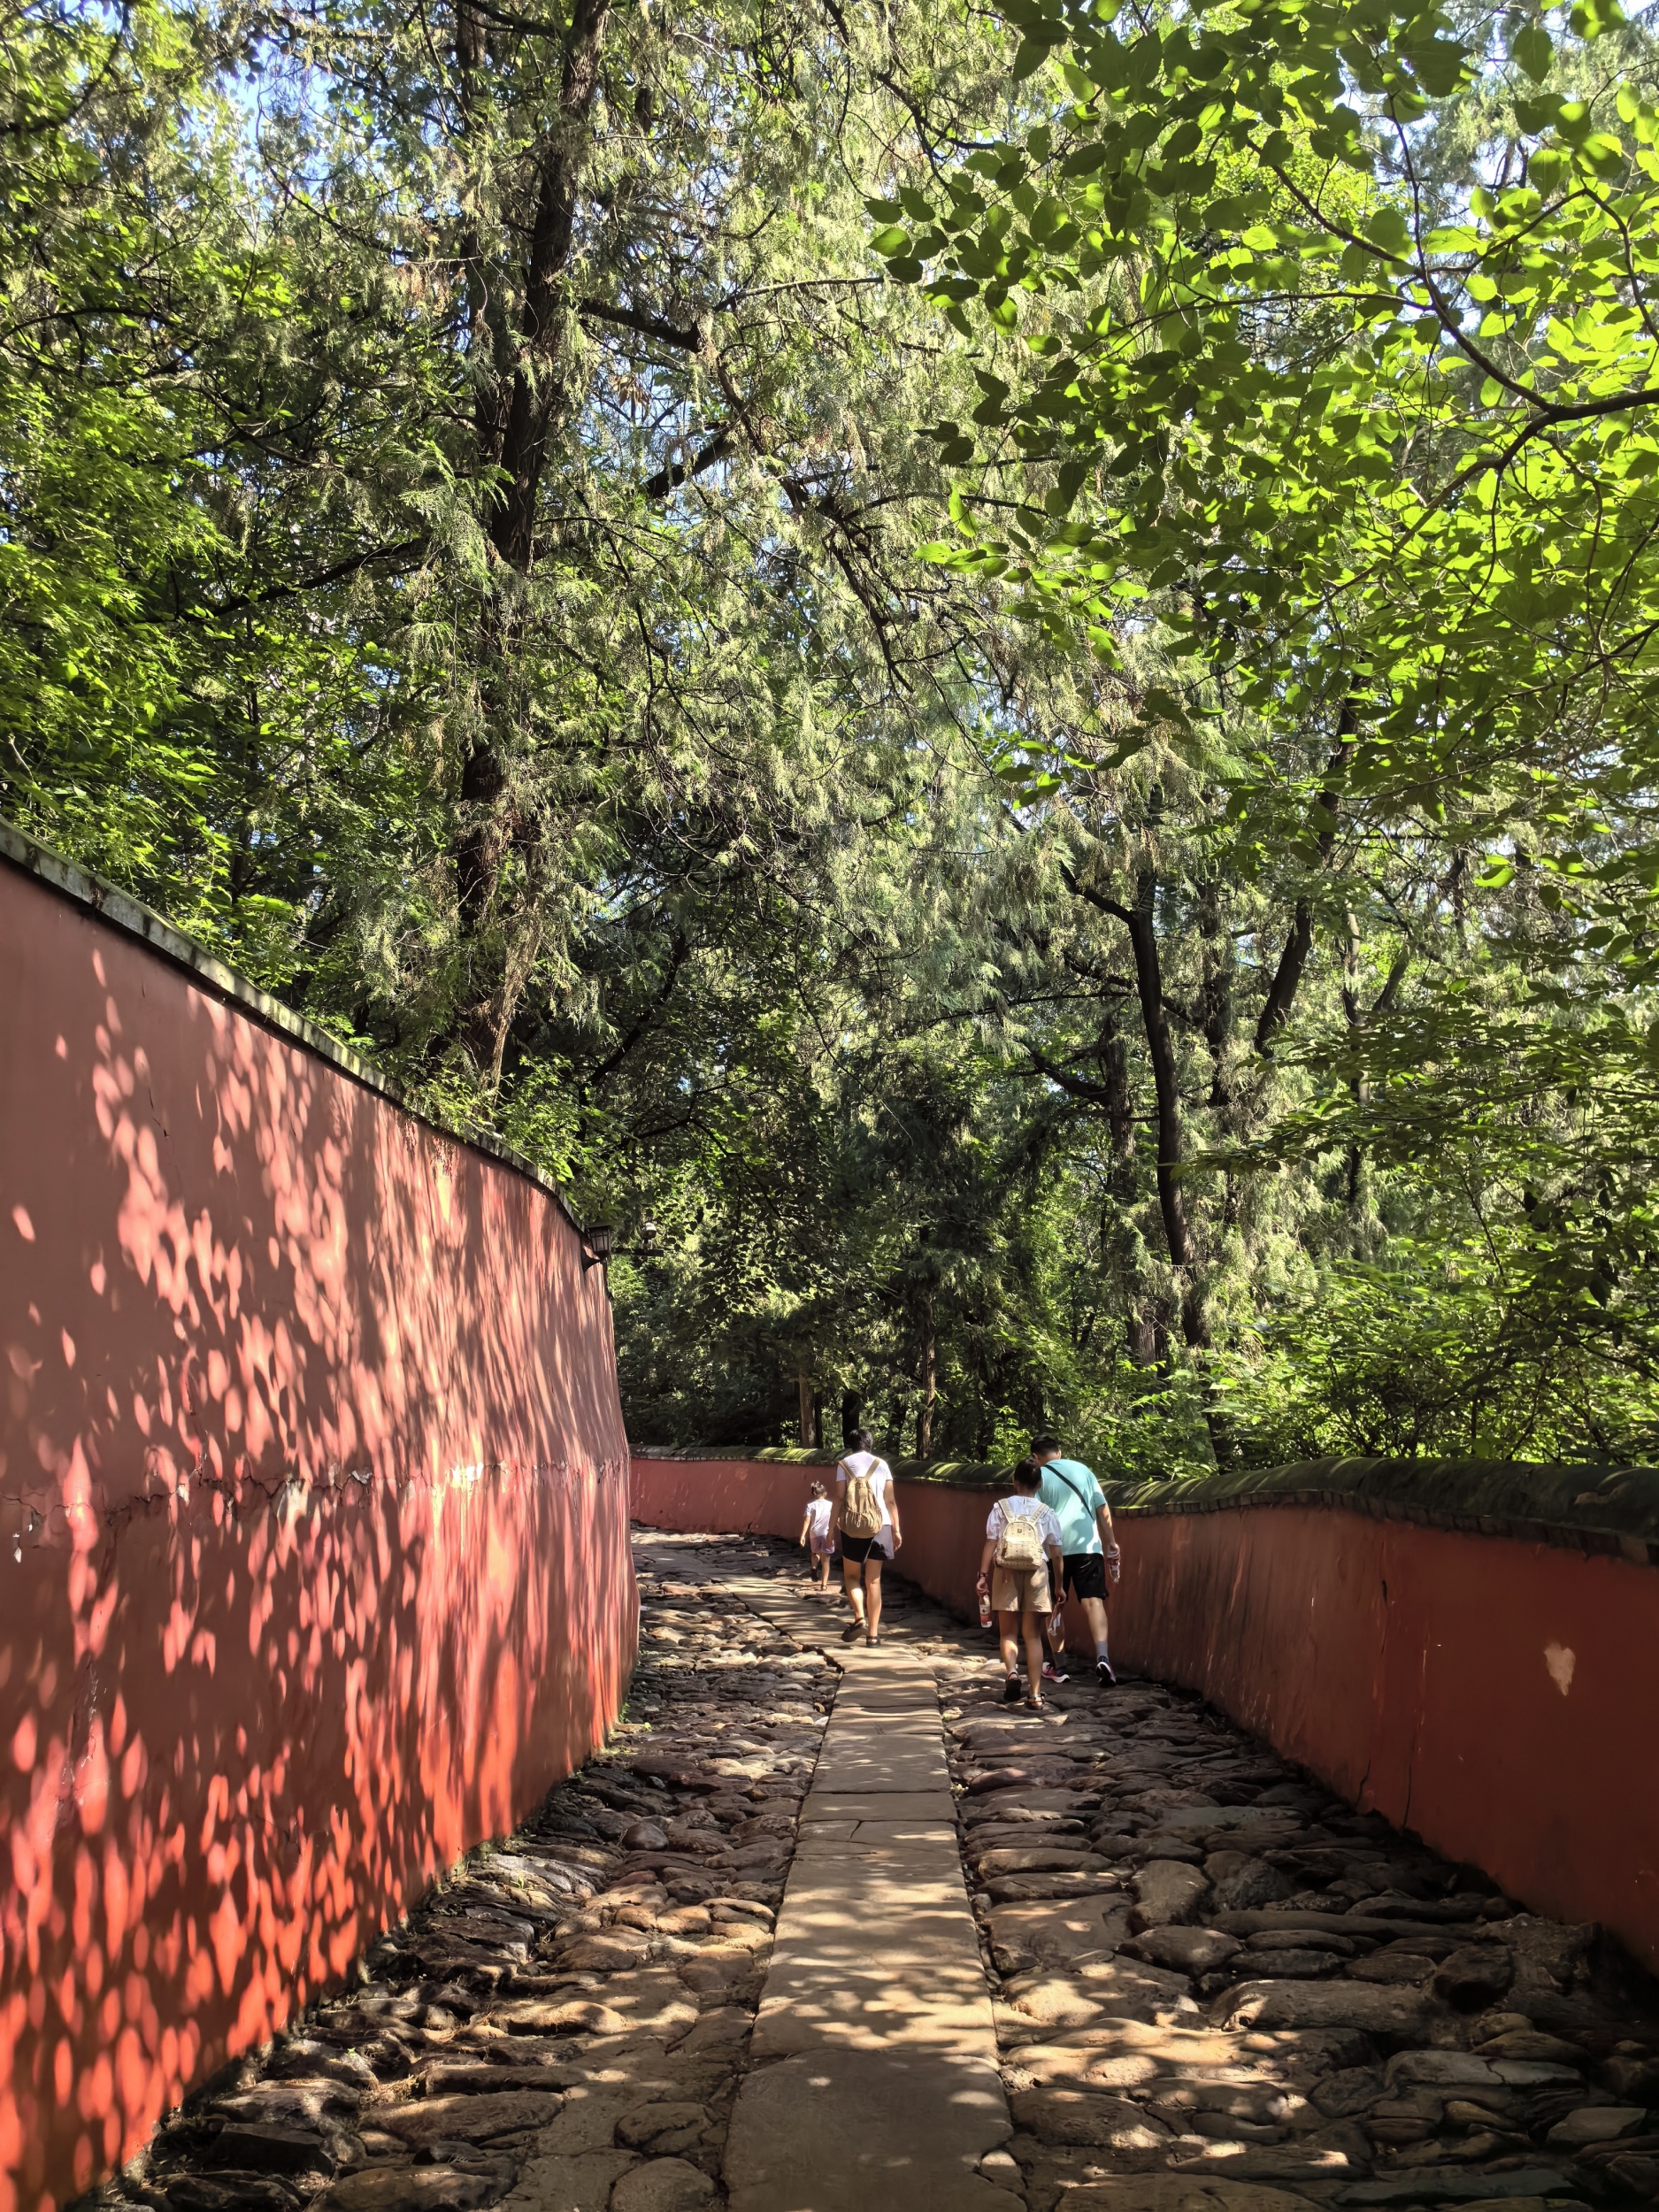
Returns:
(1174,961)
(1315,352)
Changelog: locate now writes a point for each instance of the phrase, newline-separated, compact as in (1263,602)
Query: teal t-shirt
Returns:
(1074,1503)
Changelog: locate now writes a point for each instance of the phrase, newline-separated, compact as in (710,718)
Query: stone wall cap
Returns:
(133,919)
(1600,1509)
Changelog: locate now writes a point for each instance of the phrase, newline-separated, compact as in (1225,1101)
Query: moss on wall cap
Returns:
(1613,1509)
(129,915)
(1574,1504)
(955,1474)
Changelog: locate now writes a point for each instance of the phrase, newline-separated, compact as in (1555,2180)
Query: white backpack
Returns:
(1020,1543)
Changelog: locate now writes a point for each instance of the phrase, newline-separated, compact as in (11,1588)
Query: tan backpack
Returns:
(1020,1543)
(861,1508)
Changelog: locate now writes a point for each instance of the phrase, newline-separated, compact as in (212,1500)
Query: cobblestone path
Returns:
(1211,1987)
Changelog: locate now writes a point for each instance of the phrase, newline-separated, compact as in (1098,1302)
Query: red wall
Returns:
(313,1526)
(1498,1697)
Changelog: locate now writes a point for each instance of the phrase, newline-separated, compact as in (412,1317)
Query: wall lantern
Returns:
(599,1239)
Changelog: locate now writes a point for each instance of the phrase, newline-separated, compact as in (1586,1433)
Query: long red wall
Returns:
(313,1525)
(1496,1696)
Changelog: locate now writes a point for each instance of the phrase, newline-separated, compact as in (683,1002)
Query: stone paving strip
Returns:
(872,2076)
(1111,1958)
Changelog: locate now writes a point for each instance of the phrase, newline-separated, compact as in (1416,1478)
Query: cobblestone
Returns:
(1338,2017)
(1216,1988)
(562,2024)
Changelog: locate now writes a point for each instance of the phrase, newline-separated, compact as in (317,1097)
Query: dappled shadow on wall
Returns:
(314,1534)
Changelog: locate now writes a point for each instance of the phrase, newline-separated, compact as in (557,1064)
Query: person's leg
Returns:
(1086,1576)
(1031,1629)
(853,1582)
(1008,1637)
(1053,1627)
(873,1594)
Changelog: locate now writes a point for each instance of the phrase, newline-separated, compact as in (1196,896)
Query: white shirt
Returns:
(1021,1507)
(882,1479)
(818,1514)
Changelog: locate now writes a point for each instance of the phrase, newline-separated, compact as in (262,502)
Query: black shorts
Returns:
(1086,1574)
(858,1548)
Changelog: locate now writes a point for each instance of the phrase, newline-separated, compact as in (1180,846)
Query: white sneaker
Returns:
(1051,1673)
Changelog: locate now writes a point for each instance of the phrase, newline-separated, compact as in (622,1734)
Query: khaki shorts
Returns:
(1020,1589)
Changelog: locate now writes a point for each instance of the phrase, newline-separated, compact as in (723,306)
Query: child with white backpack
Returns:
(1022,1544)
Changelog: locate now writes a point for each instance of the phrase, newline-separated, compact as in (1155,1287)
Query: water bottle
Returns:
(984,1609)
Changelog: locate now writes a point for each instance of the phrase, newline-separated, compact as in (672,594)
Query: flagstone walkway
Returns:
(872,2074)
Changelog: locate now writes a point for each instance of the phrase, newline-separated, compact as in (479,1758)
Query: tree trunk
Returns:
(1216,996)
(515,409)
(930,1385)
(1281,994)
(1141,1331)
(1161,1051)
(897,1422)
(1358,1017)
(1113,1056)
(808,1411)
(1140,921)
(852,1418)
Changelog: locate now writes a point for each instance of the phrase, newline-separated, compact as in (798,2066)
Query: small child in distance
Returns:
(814,1534)
(1020,1566)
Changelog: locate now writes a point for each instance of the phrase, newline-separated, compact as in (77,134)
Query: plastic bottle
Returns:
(984,1609)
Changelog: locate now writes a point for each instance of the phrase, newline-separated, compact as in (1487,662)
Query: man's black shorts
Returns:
(1086,1574)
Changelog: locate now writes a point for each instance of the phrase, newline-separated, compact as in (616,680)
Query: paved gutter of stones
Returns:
(1218,1987)
(562,2023)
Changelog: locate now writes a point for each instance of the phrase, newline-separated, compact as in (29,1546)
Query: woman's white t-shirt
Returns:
(1021,1508)
(882,1479)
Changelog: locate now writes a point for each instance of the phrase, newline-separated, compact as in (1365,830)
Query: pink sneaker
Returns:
(1051,1673)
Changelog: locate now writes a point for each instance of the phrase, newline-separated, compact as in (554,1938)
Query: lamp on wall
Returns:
(599,1239)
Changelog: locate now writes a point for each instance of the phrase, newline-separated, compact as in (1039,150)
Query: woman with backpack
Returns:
(1022,1542)
(866,1521)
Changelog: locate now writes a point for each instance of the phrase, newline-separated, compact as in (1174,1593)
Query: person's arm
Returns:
(1108,1539)
(988,1554)
(806,1523)
(893,1509)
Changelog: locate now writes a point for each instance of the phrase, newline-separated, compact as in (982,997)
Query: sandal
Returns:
(872,1643)
(1034,1704)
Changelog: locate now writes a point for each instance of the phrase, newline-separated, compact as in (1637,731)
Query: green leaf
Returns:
(1544,169)
(1536,116)
(1534,50)
(1591,18)
(1602,154)
(1438,65)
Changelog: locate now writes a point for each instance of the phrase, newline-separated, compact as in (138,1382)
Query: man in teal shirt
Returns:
(1088,1544)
